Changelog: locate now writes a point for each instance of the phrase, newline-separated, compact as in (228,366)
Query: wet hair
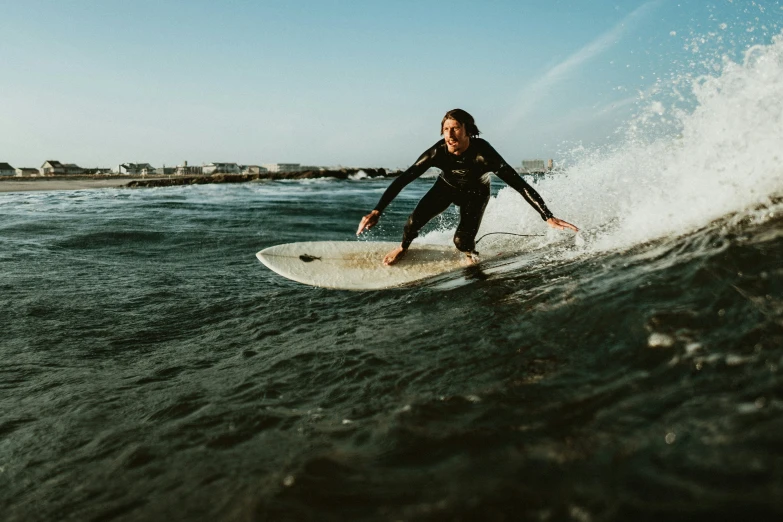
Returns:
(464,119)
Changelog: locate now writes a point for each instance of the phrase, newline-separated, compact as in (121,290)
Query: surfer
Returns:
(465,162)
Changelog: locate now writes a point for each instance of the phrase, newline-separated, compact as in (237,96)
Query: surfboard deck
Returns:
(358,265)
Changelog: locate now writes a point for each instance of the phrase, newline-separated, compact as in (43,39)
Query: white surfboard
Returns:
(358,265)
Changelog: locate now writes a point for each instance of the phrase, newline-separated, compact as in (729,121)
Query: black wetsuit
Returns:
(464,181)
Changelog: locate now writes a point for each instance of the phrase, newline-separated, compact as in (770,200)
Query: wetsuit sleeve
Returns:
(421,166)
(505,172)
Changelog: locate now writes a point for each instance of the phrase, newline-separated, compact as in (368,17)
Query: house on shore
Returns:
(55,168)
(71,169)
(165,171)
(52,168)
(97,171)
(7,170)
(221,168)
(27,171)
(283,167)
(536,166)
(253,169)
(189,170)
(136,169)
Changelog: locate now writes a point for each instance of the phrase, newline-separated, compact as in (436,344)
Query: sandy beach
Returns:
(49,184)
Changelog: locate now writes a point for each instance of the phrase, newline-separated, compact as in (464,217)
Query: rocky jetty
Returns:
(241,178)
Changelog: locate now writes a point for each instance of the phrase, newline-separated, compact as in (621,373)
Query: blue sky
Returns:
(338,82)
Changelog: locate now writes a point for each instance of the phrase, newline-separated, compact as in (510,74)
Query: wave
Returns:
(720,158)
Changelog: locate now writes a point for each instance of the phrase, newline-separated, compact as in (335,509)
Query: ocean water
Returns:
(152,369)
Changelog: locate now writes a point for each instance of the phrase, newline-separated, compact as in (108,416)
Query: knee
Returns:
(412,226)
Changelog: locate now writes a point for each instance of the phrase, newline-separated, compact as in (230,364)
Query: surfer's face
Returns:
(457,139)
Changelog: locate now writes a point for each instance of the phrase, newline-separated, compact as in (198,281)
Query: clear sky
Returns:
(339,82)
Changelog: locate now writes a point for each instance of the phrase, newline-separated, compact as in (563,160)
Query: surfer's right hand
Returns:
(368,221)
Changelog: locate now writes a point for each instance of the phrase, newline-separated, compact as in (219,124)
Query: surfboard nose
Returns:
(261,257)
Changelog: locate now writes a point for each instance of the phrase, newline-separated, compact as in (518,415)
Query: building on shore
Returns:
(136,169)
(7,170)
(52,168)
(536,166)
(72,169)
(27,171)
(282,167)
(97,171)
(165,171)
(186,170)
(221,168)
(55,168)
(253,169)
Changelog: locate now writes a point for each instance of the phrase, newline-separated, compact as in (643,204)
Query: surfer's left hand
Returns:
(560,224)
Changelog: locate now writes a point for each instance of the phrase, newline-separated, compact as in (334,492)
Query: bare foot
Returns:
(472,258)
(394,256)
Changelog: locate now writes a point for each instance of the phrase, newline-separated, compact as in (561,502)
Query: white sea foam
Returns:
(721,157)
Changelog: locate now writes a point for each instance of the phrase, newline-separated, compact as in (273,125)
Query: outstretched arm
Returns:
(515,181)
(504,171)
(414,171)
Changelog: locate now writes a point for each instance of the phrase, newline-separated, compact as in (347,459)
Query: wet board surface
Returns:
(357,265)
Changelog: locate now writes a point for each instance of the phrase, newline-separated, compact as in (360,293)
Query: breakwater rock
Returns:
(241,178)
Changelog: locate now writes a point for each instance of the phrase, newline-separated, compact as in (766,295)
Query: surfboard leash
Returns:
(508,234)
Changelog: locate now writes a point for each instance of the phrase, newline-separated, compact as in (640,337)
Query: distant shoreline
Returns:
(50,183)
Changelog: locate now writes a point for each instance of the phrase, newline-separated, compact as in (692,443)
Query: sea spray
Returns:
(720,158)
